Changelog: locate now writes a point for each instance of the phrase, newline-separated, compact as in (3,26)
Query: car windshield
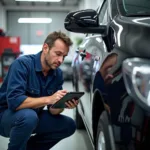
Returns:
(135,7)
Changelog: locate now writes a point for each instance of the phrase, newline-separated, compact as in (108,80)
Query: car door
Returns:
(85,75)
(74,65)
(101,51)
(95,49)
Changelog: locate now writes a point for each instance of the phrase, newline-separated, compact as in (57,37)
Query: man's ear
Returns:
(45,48)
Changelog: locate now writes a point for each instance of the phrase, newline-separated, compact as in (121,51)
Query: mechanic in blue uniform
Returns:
(33,82)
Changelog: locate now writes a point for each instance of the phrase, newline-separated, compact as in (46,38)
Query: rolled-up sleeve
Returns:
(17,82)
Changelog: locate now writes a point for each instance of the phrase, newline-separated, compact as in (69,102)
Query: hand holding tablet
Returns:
(68,97)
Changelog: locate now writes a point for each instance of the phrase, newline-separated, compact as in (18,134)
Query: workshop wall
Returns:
(2,18)
(34,33)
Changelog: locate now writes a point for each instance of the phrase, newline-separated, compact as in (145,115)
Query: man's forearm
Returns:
(34,102)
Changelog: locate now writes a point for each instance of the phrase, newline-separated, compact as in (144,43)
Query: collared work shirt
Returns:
(25,79)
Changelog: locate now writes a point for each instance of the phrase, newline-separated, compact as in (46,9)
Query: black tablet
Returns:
(67,97)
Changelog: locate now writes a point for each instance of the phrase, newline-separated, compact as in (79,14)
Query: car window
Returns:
(105,19)
(114,9)
(103,14)
(100,5)
(135,7)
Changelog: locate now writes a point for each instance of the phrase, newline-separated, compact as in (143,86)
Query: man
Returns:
(35,81)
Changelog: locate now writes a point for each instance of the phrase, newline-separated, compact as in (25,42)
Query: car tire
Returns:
(78,119)
(103,138)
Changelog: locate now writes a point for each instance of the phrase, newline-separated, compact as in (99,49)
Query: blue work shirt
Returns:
(25,79)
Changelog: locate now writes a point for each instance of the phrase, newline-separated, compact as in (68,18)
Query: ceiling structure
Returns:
(63,5)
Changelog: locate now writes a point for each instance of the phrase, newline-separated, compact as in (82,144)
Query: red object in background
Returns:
(39,33)
(9,42)
(12,43)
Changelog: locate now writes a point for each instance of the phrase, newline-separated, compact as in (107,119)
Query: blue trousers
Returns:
(48,129)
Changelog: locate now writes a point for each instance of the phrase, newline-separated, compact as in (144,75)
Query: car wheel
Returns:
(103,139)
(78,119)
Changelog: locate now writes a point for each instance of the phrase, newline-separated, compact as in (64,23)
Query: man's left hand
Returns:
(72,104)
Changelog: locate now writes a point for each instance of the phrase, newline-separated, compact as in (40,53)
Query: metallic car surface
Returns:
(98,66)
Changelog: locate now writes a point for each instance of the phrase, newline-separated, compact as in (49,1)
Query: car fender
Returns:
(98,106)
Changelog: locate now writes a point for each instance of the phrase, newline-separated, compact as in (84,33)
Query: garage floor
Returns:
(78,141)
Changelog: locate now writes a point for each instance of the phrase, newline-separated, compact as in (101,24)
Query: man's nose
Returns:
(60,59)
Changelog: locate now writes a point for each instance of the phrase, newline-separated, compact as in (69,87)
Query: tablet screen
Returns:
(67,97)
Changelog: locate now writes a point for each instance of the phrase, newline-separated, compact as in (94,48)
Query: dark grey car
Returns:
(112,67)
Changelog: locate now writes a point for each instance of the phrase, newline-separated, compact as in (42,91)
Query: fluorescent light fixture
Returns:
(39,0)
(34,20)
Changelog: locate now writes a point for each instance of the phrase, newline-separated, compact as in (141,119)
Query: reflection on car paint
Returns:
(108,103)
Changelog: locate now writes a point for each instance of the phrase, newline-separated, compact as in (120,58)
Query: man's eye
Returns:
(58,54)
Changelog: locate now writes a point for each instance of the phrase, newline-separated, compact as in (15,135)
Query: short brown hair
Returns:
(52,37)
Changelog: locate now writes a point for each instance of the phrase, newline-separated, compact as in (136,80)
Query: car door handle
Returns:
(77,50)
(97,58)
(83,54)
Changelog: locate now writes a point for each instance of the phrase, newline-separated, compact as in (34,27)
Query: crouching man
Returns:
(33,82)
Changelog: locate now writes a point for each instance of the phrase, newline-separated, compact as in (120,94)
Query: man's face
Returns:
(54,57)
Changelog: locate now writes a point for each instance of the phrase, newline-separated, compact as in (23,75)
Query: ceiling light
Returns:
(34,20)
(39,0)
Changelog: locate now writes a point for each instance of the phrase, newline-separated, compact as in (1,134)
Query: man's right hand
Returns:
(57,96)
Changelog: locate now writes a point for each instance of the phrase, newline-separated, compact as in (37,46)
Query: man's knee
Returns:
(26,117)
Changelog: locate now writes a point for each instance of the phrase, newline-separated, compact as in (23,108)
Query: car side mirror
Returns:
(84,21)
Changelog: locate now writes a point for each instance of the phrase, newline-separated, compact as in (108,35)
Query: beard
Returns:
(47,64)
(52,65)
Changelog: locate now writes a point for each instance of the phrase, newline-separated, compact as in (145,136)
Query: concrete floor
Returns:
(78,141)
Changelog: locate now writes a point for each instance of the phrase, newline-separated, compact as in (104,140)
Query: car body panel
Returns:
(99,75)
